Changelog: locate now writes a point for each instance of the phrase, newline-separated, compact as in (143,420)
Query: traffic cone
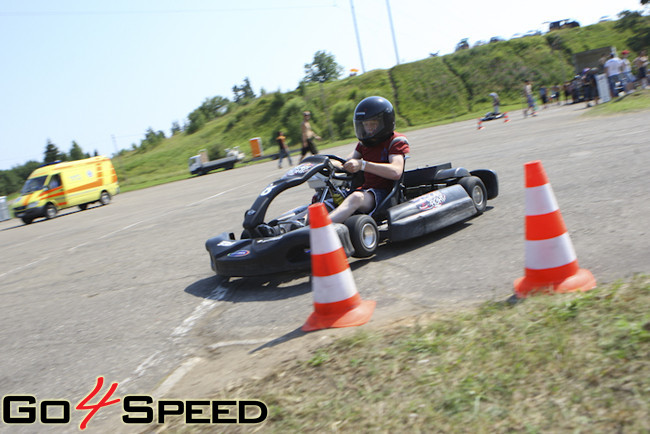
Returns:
(551,261)
(336,300)
(480,124)
(505,118)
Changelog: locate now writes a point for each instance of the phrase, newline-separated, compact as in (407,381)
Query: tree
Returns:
(76,153)
(52,153)
(322,69)
(152,139)
(244,93)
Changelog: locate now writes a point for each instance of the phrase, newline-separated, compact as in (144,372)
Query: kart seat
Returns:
(380,212)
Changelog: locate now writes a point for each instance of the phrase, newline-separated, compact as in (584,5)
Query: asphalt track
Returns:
(125,291)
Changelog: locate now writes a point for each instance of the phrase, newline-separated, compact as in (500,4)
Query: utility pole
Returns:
(392,29)
(356,31)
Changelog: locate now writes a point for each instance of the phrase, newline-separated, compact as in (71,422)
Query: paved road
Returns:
(125,291)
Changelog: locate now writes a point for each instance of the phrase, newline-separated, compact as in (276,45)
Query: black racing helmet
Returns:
(374,120)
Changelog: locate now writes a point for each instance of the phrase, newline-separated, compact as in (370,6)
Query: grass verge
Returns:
(563,363)
(633,102)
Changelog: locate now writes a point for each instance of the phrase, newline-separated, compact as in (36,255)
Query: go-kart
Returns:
(490,116)
(422,201)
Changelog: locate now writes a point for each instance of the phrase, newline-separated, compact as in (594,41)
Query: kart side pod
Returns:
(429,212)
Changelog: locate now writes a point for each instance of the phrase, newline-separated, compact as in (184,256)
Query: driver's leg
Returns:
(359,200)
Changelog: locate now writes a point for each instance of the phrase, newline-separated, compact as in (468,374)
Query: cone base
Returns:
(582,280)
(356,316)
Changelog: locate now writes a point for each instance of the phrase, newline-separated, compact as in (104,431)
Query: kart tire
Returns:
(476,191)
(363,234)
(50,211)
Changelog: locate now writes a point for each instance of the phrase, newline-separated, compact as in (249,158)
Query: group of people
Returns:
(619,71)
(308,137)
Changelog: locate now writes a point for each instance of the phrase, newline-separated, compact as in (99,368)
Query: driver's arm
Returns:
(391,170)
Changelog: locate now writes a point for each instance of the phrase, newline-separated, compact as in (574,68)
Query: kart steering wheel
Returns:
(339,173)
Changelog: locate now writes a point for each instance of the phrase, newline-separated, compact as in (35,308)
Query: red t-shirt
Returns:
(396,144)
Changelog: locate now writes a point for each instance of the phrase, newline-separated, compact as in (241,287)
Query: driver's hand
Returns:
(352,165)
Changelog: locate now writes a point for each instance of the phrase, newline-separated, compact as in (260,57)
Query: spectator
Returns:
(627,78)
(543,95)
(641,65)
(589,85)
(555,94)
(530,101)
(613,69)
(308,136)
(284,150)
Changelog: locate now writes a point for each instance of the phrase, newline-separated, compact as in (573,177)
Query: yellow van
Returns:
(53,187)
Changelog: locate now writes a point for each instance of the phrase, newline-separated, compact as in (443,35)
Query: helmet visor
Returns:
(369,128)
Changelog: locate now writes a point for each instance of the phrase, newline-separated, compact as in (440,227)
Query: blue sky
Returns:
(102,73)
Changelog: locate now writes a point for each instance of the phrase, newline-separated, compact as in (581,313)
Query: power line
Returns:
(153,12)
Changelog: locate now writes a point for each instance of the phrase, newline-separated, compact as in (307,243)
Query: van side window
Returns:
(55,182)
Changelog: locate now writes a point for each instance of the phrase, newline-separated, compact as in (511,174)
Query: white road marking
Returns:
(175,377)
(206,306)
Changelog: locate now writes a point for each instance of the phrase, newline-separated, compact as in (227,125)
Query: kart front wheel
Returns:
(476,191)
(363,234)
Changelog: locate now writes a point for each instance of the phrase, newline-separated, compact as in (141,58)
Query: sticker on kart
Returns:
(299,170)
(435,199)
(239,254)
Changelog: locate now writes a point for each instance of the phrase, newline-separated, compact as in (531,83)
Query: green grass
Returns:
(562,363)
(634,102)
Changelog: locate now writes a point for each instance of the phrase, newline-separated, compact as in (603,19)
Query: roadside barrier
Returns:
(551,262)
(337,302)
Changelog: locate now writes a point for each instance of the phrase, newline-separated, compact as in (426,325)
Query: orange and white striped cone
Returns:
(551,261)
(505,118)
(480,124)
(336,300)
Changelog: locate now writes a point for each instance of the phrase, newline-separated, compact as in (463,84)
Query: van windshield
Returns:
(33,184)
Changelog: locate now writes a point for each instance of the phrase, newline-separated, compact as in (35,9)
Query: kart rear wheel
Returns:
(363,234)
(476,191)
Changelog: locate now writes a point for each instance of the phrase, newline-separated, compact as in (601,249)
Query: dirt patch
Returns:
(220,369)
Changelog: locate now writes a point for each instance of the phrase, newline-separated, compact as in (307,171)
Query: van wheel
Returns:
(83,206)
(105,198)
(27,220)
(50,211)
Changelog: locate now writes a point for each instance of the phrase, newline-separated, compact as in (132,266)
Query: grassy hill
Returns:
(425,92)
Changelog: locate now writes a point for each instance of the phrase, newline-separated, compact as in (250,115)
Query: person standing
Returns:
(530,101)
(613,69)
(283,151)
(641,65)
(308,136)
(495,103)
(626,72)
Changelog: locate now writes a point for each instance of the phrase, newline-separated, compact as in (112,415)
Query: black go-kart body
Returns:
(422,201)
(490,116)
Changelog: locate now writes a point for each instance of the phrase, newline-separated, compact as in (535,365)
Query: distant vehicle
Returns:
(200,165)
(56,186)
(563,24)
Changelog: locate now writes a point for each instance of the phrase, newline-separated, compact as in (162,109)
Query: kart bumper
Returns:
(262,256)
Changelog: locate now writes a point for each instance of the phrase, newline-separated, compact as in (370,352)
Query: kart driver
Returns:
(380,154)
